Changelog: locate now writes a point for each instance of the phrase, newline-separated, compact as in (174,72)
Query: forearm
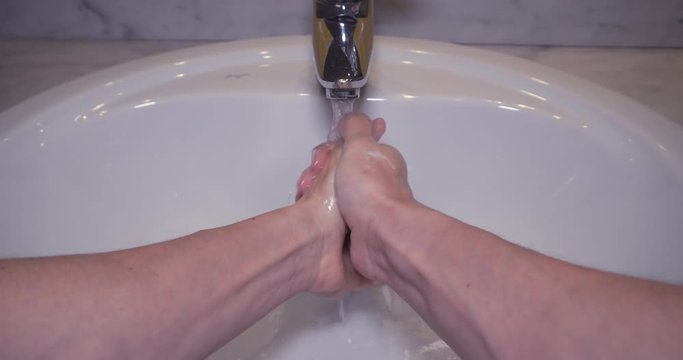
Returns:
(492,299)
(178,299)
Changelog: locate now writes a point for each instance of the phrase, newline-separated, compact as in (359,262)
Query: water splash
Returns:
(340,108)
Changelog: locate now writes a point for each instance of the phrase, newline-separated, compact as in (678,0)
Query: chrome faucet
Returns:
(342,42)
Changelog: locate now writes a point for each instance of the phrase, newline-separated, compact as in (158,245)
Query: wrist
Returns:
(302,262)
(390,235)
(277,247)
(320,260)
(412,238)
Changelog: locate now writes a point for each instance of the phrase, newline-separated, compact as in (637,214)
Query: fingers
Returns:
(379,126)
(356,125)
(359,125)
(305,182)
(353,126)
(321,156)
(319,160)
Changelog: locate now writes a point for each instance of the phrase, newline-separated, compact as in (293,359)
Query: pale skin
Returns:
(488,298)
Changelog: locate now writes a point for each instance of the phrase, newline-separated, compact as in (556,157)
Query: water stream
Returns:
(340,108)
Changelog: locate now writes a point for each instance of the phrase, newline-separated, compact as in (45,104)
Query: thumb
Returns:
(355,126)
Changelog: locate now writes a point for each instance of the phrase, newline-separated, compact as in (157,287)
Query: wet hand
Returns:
(371,179)
(334,273)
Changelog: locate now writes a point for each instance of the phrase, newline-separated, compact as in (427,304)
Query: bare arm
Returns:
(488,298)
(492,299)
(178,299)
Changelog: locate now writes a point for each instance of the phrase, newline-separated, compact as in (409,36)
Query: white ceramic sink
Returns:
(204,137)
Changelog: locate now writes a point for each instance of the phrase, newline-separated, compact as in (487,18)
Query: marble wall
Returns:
(539,22)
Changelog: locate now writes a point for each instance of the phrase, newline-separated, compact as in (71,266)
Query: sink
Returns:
(199,138)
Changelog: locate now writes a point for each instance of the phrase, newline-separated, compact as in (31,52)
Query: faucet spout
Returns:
(342,43)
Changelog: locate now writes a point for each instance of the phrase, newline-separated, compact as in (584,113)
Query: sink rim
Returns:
(632,114)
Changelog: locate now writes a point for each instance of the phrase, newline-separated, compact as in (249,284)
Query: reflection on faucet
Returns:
(342,42)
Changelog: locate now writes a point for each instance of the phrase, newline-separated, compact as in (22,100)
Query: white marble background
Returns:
(657,23)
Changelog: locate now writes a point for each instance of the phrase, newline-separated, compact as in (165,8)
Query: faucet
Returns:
(342,43)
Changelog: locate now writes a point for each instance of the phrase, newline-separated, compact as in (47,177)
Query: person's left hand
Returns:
(315,195)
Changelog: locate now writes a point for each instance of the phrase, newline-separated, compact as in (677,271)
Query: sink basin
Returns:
(203,137)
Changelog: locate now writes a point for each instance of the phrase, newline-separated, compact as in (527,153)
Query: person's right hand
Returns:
(371,181)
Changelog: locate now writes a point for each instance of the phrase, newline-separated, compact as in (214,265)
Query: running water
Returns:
(340,108)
